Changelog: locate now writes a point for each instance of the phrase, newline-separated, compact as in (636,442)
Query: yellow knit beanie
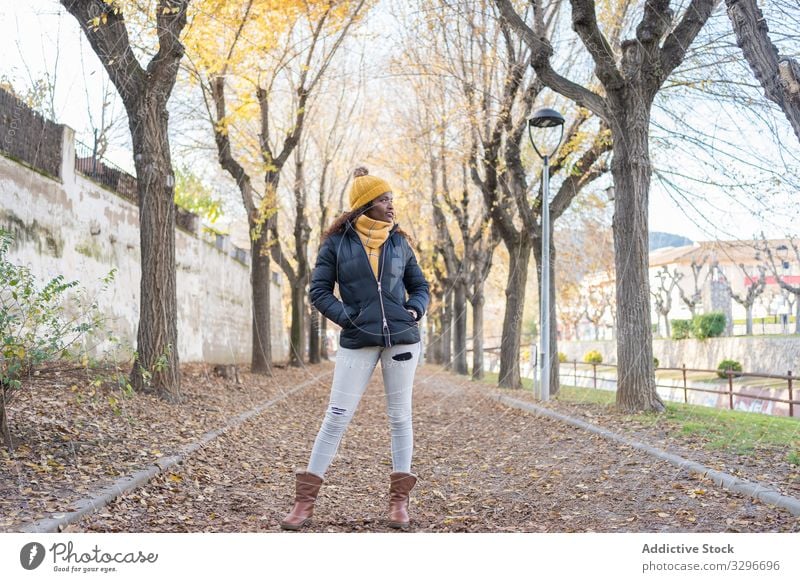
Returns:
(366,188)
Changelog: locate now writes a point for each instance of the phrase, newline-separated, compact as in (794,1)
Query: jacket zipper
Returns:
(387,337)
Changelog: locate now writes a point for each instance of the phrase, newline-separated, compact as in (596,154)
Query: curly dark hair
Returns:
(340,223)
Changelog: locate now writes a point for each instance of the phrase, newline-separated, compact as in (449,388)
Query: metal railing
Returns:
(106,173)
(732,393)
(685,384)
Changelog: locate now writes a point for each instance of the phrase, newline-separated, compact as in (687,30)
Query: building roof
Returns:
(726,251)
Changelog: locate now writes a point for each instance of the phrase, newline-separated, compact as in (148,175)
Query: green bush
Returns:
(680,328)
(708,325)
(593,357)
(726,365)
(562,357)
(38,324)
(655,362)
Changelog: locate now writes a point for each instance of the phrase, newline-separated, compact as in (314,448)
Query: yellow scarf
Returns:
(373,233)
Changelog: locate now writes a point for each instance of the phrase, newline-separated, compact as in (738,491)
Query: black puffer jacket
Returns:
(370,313)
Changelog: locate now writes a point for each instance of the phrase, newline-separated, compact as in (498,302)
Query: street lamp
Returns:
(545,118)
(783,253)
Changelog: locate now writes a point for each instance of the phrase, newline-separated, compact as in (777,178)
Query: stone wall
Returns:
(80,229)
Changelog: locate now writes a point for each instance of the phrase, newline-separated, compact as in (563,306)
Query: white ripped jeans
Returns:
(350,378)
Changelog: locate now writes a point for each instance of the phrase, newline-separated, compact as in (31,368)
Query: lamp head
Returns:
(546,117)
(782,252)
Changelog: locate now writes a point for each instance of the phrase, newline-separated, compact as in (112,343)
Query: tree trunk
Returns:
(4,428)
(157,364)
(749,320)
(313,336)
(298,336)
(797,316)
(519,258)
(477,336)
(323,333)
(460,327)
(145,93)
(433,347)
(636,390)
(260,280)
(447,330)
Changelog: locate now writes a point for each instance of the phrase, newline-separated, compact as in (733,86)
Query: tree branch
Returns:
(779,77)
(226,160)
(584,22)
(541,50)
(112,45)
(678,41)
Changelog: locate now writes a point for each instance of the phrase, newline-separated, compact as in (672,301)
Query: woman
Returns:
(383,296)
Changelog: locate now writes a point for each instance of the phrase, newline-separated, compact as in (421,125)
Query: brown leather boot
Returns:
(401,486)
(306,489)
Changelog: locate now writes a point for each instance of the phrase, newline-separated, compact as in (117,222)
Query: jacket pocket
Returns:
(351,321)
(398,313)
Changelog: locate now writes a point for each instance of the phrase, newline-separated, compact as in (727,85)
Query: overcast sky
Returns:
(40,38)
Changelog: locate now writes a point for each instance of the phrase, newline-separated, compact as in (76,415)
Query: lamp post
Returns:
(545,118)
(783,253)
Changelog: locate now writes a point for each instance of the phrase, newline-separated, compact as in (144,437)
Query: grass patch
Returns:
(737,431)
(743,433)
(492,378)
(590,395)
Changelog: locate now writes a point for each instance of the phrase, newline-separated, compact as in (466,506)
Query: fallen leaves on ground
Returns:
(482,466)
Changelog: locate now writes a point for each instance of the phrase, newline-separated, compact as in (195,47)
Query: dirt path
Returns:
(482,467)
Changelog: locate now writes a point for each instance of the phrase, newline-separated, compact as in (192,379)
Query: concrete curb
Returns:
(735,484)
(87,505)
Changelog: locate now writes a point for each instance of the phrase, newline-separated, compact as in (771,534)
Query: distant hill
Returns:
(664,239)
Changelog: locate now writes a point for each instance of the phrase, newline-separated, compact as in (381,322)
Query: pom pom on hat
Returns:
(366,188)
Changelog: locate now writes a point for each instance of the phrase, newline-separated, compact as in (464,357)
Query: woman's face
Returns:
(382,208)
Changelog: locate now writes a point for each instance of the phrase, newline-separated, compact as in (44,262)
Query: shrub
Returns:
(593,357)
(726,365)
(562,357)
(37,325)
(680,328)
(655,362)
(708,325)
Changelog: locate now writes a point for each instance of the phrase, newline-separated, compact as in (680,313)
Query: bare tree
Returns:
(793,290)
(571,310)
(145,93)
(662,295)
(598,302)
(630,76)
(337,140)
(754,287)
(455,267)
(464,238)
(696,297)
(304,60)
(499,95)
